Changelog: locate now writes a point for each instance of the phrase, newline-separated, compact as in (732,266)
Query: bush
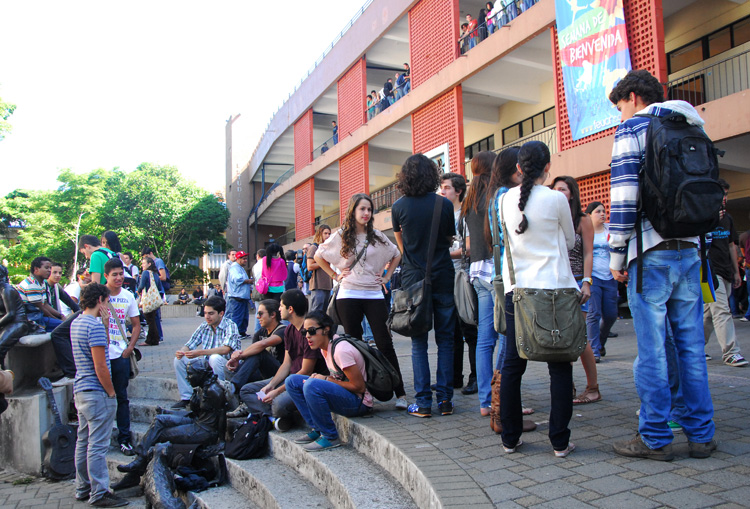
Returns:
(188,276)
(16,279)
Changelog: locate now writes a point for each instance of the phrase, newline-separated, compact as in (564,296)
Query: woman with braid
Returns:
(540,232)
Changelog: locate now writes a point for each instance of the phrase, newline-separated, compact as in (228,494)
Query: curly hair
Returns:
(481,169)
(91,294)
(640,82)
(318,239)
(349,233)
(503,170)
(533,158)
(418,176)
(575,198)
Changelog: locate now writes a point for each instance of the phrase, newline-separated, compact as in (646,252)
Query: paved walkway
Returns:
(593,476)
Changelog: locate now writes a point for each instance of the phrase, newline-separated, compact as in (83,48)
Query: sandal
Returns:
(527,410)
(590,395)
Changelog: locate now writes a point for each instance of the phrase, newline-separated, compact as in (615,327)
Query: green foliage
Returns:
(6,110)
(188,275)
(152,206)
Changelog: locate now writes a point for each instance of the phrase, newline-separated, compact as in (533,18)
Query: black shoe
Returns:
(445,407)
(138,466)
(127,449)
(471,388)
(83,496)
(181,404)
(109,500)
(130,480)
(458,383)
(612,335)
(603,351)
(433,387)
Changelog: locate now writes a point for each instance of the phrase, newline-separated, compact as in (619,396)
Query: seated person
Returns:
(262,358)
(35,293)
(183,298)
(215,340)
(299,358)
(342,392)
(59,299)
(74,289)
(13,322)
(63,347)
(203,425)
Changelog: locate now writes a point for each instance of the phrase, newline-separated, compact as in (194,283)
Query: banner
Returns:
(594,56)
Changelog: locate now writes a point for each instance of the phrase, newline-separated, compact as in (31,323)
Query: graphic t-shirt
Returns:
(124,304)
(718,253)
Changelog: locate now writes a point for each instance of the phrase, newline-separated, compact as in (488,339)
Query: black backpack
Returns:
(679,190)
(250,440)
(382,378)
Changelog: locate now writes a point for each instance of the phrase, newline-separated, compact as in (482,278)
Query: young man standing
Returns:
(35,293)
(269,396)
(215,339)
(256,271)
(671,290)
(94,398)
(91,248)
(120,349)
(239,292)
(224,270)
(129,266)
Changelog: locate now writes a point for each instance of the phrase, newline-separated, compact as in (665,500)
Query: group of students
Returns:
(391,92)
(491,18)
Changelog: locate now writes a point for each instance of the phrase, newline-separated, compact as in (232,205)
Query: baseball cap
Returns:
(240,254)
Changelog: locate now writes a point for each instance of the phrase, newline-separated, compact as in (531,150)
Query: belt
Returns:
(674,245)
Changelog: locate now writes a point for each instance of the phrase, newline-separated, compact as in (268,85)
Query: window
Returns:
(686,56)
(710,45)
(741,32)
(719,42)
(529,126)
(487,143)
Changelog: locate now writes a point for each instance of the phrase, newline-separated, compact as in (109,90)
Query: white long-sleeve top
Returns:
(540,254)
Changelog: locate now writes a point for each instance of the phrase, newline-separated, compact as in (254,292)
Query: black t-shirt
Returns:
(412,216)
(480,250)
(718,253)
(278,350)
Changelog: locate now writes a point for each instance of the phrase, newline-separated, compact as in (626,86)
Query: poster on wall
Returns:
(440,156)
(594,56)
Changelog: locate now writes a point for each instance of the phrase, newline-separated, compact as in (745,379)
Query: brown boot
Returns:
(495,403)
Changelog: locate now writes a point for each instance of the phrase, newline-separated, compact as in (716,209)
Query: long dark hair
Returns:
(575,198)
(533,158)
(503,170)
(593,206)
(349,234)
(271,251)
(113,241)
(323,321)
(481,169)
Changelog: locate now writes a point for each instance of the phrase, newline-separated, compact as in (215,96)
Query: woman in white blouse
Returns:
(540,232)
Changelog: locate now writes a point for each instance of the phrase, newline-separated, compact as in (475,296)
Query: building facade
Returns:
(496,86)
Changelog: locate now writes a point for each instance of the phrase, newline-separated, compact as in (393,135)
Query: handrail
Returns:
(324,147)
(548,136)
(488,27)
(284,176)
(713,81)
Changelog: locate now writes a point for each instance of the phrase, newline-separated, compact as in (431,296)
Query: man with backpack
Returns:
(91,248)
(660,259)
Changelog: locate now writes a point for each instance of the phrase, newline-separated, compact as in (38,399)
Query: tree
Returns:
(6,110)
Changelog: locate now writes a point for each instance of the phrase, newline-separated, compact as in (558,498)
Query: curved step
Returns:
(222,497)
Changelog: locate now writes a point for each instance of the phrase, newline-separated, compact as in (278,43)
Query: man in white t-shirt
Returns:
(120,349)
(74,288)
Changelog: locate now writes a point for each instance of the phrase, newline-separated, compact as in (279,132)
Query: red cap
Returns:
(240,254)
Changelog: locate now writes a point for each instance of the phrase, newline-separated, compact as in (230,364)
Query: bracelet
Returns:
(587,280)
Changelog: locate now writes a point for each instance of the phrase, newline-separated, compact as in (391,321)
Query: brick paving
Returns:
(465,464)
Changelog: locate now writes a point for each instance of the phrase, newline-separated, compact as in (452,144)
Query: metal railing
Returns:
(333,220)
(713,81)
(398,92)
(287,238)
(491,25)
(548,136)
(284,176)
(325,146)
(385,197)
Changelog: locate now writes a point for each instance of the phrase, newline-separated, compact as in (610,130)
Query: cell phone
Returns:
(261,395)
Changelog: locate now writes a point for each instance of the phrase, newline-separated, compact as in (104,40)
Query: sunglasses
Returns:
(310,330)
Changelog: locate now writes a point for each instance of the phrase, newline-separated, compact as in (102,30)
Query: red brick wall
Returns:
(354,176)
(350,94)
(645,28)
(433,38)
(303,141)
(304,213)
(595,188)
(439,122)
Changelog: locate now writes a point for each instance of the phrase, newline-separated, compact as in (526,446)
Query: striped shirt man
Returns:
(86,332)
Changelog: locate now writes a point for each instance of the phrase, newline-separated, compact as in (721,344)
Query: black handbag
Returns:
(464,294)
(549,322)
(411,312)
(333,310)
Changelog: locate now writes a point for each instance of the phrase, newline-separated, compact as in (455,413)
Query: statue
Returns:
(13,322)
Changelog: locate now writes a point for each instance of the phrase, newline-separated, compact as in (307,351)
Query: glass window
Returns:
(526,127)
(719,42)
(538,121)
(741,31)
(685,57)
(491,142)
(484,145)
(511,134)
(549,117)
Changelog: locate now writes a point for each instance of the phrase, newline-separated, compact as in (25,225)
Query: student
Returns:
(274,269)
(95,399)
(74,288)
(120,349)
(35,293)
(321,283)
(239,292)
(59,299)
(92,249)
(342,392)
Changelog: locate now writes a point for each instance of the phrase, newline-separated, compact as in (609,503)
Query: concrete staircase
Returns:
(366,472)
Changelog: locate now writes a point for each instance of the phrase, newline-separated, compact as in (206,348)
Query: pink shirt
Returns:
(367,271)
(277,273)
(346,355)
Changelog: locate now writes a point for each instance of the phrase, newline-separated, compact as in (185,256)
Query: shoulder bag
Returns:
(332,310)
(464,294)
(411,312)
(549,322)
(135,356)
(262,284)
(497,281)
(151,300)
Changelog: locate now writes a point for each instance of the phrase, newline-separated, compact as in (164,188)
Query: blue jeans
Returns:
(238,311)
(602,312)
(444,316)
(158,323)
(487,338)
(366,331)
(673,375)
(254,368)
(120,369)
(316,399)
(671,292)
(49,323)
(96,412)
(319,300)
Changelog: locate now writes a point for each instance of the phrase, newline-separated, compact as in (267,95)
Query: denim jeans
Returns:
(487,338)
(217,363)
(673,375)
(444,316)
(253,369)
(747,283)
(366,331)
(96,412)
(49,323)
(62,346)
(238,311)
(560,387)
(602,313)
(120,369)
(158,324)
(671,292)
(319,300)
(175,428)
(316,399)
(281,406)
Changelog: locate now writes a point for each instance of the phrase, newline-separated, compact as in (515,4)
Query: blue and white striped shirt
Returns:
(87,332)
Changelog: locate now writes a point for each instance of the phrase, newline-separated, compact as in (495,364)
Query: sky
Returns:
(101,84)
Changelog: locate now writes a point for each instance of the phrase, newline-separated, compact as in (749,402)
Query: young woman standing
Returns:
(320,283)
(275,271)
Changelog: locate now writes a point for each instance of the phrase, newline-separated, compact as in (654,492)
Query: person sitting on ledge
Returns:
(13,322)
(214,340)
(183,298)
(35,293)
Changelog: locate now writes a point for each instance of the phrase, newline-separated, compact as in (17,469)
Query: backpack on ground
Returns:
(305,273)
(250,440)
(382,378)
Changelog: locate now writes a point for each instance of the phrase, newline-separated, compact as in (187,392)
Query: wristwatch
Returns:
(587,280)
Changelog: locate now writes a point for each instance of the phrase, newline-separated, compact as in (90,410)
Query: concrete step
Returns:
(222,497)
(144,409)
(153,387)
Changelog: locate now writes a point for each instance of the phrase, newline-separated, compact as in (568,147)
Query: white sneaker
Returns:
(401,404)
(63,382)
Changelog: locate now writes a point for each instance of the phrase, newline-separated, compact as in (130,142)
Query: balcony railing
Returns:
(284,176)
(548,136)
(287,238)
(333,220)
(398,92)
(713,81)
(325,146)
(487,27)
(385,197)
